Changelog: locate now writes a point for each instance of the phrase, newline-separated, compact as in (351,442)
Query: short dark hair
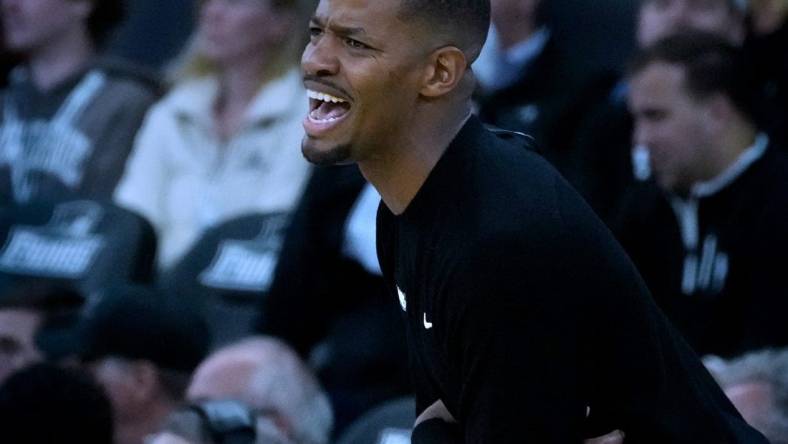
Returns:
(711,64)
(41,295)
(467,20)
(139,323)
(105,16)
(46,403)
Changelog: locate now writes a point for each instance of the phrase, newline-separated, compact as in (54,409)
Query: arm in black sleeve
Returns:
(293,309)
(519,342)
(557,321)
(308,289)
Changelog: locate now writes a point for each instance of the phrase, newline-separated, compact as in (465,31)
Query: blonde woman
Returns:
(226,140)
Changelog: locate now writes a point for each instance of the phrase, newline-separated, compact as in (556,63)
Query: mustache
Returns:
(316,79)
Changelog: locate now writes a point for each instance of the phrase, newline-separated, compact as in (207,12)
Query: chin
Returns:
(334,155)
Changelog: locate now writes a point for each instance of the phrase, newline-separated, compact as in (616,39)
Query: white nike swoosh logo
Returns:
(427,325)
(403,302)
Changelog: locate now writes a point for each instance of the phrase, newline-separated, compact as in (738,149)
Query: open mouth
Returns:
(325,108)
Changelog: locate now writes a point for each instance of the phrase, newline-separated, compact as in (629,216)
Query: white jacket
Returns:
(184,179)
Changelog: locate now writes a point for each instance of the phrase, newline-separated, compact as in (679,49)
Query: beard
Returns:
(337,155)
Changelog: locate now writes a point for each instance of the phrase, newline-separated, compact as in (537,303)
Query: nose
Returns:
(640,135)
(319,58)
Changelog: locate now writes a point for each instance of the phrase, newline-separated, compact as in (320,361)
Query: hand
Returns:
(438,410)
(615,437)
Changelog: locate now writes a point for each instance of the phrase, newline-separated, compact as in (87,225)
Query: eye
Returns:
(654,115)
(9,346)
(355,44)
(315,31)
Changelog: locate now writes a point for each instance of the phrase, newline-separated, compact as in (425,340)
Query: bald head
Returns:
(757,384)
(225,374)
(267,375)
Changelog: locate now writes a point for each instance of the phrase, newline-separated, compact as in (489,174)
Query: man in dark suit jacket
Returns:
(533,81)
(328,300)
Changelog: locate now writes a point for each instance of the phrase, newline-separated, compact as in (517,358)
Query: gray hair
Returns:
(285,384)
(768,366)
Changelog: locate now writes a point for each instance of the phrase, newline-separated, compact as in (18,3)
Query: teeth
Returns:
(313,117)
(324,97)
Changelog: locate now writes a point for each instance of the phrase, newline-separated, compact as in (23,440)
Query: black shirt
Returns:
(522,311)
(319,295)
(715,261)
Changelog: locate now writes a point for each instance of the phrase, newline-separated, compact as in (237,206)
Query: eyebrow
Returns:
(339,29)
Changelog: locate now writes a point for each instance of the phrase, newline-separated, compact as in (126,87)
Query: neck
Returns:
(401,169)
(737,139)
(60,59)
(238,85)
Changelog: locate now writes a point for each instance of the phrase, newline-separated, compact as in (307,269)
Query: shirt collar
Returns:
(525,51)
(747,158)
(20,77)
(487,67)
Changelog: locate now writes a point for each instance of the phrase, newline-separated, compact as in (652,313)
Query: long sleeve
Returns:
(146,172)
(119,116)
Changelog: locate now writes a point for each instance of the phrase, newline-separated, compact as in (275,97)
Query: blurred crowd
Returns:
(173,271)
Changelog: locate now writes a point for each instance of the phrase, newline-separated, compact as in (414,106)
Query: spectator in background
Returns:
(48,404)
(709,237)
(7,59)
(142,350)
(660,18)
(767,46)
(531,81)
(268,376)
(216,422)
(328,301)
(757,384)
(224,141)
(603,141)
(67,121)
(154,32)
(28,313)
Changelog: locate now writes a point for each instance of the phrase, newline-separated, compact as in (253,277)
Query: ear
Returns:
(446,68)
(720,111)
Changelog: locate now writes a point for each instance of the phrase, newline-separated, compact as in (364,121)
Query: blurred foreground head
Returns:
(44,403)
